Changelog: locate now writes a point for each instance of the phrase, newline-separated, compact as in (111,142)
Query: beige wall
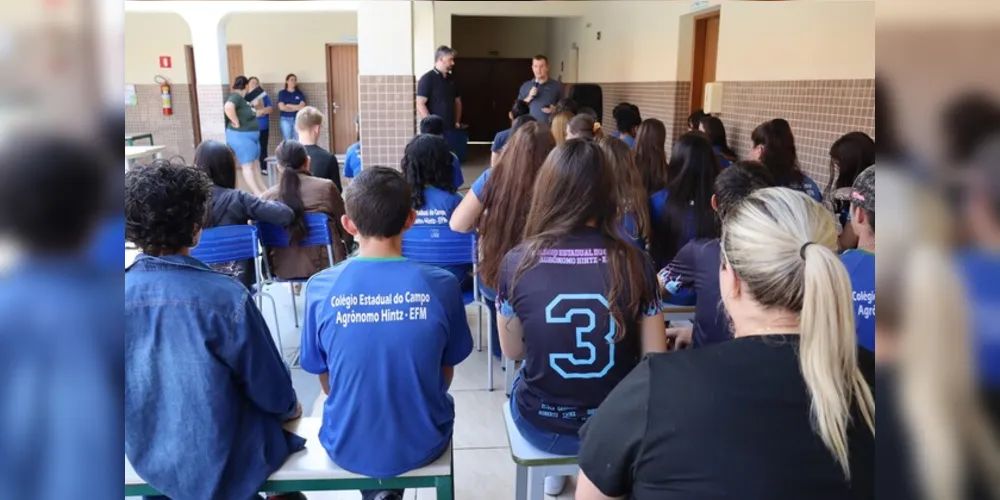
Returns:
(149,36)
(509,37)
(277,44)
(820,40)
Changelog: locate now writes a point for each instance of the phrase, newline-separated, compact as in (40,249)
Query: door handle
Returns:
(334,107)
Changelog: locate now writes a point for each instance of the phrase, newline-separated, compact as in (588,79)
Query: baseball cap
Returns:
(863,191)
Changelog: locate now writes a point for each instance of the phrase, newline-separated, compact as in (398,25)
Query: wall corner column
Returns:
(208,40)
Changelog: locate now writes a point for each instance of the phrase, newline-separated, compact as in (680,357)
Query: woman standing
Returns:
(290,101)
(262,105)
(574,269)
(242,134)
(793,374)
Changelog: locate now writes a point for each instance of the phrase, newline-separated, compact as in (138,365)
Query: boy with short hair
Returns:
(384,334)
(324,165)
(434,125)
(860,262)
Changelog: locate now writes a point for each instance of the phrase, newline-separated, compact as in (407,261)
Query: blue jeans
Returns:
(549,442)
(288,128)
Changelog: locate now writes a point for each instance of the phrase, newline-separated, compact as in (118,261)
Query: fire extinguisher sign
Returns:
(165,62)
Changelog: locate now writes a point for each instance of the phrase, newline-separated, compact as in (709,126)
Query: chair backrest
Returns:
(226,244)
(318,233)
(440,246)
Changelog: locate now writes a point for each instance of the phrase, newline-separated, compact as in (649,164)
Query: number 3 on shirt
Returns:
(582,305)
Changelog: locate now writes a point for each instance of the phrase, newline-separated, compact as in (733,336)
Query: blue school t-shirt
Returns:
(263,121)
(352,160)
(456,165)
(628,139)
(570,364)
(384,342)
(500,140)
(861,268)
(432,219)
(292,98)
(695,270)
(480,184)
(630,230)
(724,161)
(982,280)
(809,187)
(657,202)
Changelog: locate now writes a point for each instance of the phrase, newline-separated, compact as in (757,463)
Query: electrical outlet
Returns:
(598,35)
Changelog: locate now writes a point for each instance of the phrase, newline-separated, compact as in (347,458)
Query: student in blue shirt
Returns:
(981,262)
(683,210)
(262,105)
(633,203)
(427,166)
(860,262)
(774,146)
(206,390)
(627,121)
(290,101)
(713,127)
(352,158)
(385,349)
(434,125)
(577,302)
(519,109)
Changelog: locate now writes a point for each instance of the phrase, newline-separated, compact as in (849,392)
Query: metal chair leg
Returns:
(295,308)
(277,323)
(489,356)
(479,326)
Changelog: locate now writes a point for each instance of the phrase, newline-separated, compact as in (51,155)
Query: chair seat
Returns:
(524,453)
(313,463)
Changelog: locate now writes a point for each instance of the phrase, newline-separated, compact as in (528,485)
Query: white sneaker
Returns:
(554,485)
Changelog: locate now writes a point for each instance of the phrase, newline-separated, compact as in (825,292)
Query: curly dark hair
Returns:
(165,206)
(427,162)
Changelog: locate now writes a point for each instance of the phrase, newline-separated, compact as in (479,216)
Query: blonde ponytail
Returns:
(828,352)
(781,243)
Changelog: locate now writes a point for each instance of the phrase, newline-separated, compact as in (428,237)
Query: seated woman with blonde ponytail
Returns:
(782,411)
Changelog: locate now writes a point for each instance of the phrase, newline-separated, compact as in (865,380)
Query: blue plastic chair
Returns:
(223,244)
(439,246)
(317,234)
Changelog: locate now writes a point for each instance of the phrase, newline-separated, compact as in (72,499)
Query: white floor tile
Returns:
(479,420)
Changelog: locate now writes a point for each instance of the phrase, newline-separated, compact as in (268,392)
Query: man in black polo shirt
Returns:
(437,94)
(541,93)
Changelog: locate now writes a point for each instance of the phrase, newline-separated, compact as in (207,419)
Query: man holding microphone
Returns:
(541,93)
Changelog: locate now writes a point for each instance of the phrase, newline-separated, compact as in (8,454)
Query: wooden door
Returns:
(193,86)
(706,52)
(342,87)
(489,87)
(234,60)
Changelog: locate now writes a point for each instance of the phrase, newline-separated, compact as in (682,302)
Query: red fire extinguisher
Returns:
(168,107)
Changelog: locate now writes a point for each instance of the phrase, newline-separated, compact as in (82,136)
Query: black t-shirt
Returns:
(570,364)
(440,93)
(696,269)
(726,421)
(324,165)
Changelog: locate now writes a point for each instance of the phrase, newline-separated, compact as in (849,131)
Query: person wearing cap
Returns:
(860,262)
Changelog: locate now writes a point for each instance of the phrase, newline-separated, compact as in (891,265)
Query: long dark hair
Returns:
(427,163)
(779,152)
(633,201)
(571,192)
(651,154)
(292,158)
(218,161)
(688,211)
(507,196)
(716,133)
(849,156)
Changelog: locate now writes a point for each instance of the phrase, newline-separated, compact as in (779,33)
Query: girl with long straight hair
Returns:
(304,194)
(651,154)
(497,204)
(559,124)
(683,210)
(849,156)
(713,127)
(633,205)
(774,146)
(793,373)
(573,264)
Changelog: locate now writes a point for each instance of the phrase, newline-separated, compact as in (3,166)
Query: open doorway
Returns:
(234,60)
(494,59)
(706,53)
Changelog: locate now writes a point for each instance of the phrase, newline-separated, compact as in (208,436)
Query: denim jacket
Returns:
(206,390)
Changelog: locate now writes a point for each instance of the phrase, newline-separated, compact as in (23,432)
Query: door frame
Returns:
(699,25)
(193,85)
(332,132)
